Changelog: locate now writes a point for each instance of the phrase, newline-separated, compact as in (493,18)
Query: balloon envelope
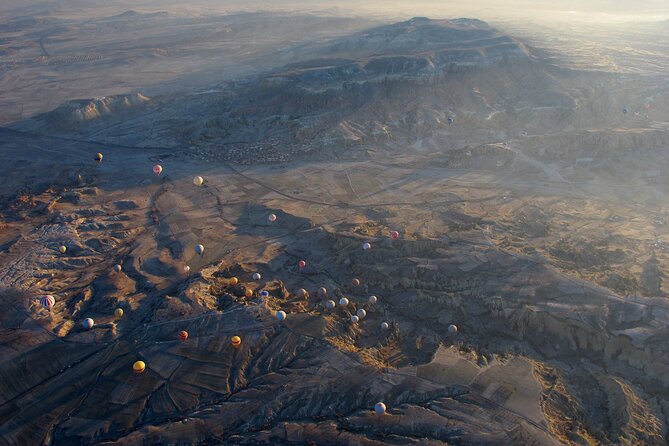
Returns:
(343,301)
(198,181)
(256,276)
(281,315)
(88,323)
(234,281)
(452,329)
(47,301)
(355,282)
(394,235)
(199,249)
(372,299)
(355,319)
(118,313)
(183,335)
(138,366)
(117,268)
(384,325)
(330,304)
(362,313)
(264,293)
(380,408)
(157,169)
(302,264)
(186,269)
(366,246)
(322,291)
(62,249)
(236,341)
(271,217)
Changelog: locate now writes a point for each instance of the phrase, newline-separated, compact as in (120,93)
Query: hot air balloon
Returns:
(198,181)
(256,276)
(355,282)
(62,249)
(248,292)
(362,313)
(355,319)
(380,408)
(271,217)
(264,293)
(234,280)
(236,341)
(88,323)
(98,157)
(118,313)
(117,268)
(343,301)
(302,264)
(47,301)
(199,249)
(183,335)
(384,326)
(394,235)
(322,291)
(366,246)
(186,269)
(157,169)
(302,293)
(281,315)
(138,367)
(452,329)
(330,304)
(372,299)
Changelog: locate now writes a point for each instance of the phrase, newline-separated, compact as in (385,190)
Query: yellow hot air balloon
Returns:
(198,181)
(248,292)
(118,313)
(236,341)
(62,249)
(234,281)
(139,367)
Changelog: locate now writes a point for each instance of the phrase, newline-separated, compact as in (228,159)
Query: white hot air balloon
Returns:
(362,313)
(372,299)
(198,181)
(452,329)
(355,319)
(199,249)
(271,217)
(117,268)
(256,276)
(380,408)
(384,326)
(343,301)
(322,291)
(186,269)
(281,315)
(88,323)
(330,304)
(366,246)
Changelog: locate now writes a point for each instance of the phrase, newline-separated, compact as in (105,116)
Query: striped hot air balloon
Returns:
(47,301)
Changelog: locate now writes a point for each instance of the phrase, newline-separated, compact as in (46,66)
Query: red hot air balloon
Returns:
(47,301)
(394,235)
(183,335)
(302,264)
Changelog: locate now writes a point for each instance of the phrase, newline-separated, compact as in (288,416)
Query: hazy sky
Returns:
(590,10)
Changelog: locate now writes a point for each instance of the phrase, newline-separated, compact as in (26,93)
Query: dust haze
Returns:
(366,223)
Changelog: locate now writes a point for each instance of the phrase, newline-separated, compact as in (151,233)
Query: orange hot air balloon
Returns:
(183,335)
(236,341)
(248,292)
(234,281)
(139,367)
